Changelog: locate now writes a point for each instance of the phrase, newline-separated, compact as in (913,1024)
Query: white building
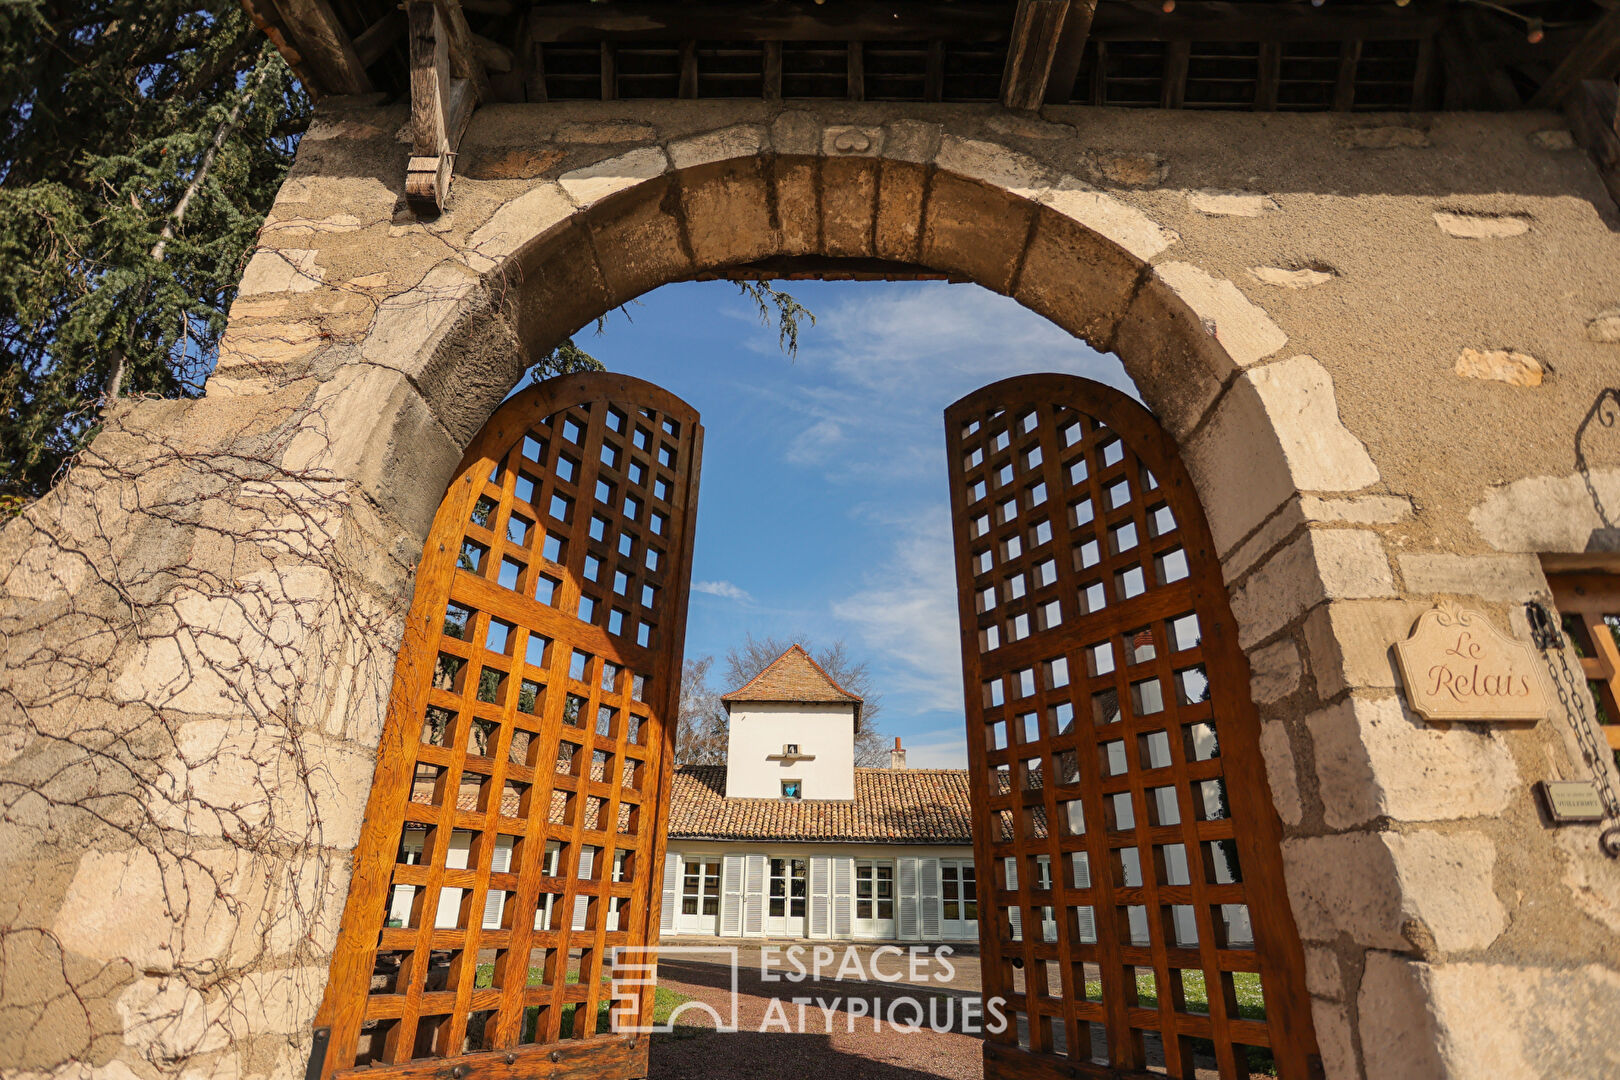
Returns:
(790,839)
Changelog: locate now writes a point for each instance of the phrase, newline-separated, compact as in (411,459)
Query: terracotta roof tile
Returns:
(896,806)
(793,677)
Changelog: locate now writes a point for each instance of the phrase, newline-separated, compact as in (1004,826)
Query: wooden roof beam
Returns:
(1038,32)
(325,46)
(447,82)
(1596,56)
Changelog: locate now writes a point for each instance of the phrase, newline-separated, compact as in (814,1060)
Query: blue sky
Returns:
(824,510)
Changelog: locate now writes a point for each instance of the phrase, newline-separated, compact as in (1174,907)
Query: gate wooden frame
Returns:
(486,485)
(1022,788)
(1586,596)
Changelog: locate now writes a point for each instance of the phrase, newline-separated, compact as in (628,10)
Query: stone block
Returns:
(1359,510)
(267,348)
(369,425)
(1244,330)
(1503,578)
(994,166)
(1507,1022)
(796,133)
(1281,776)
(638,240)
(1334,1039)
(1420,891)
(1349,643)
(1274,672)
(1277,529)
(739,141)
(1248,204)
(1398,1031)
(901,188)
(1322,454)
(1375,759)
(563,288)
(1472,225)
(410,325)
(728,212)
(1322,975)
(848,206)
(517,222)
(1546,513)
(1283,278)
(1178,367)
(1318,565)
(594,183)
(1075,278)
(1112,219)
(1238,465)
(796,184)
(1499,365)
(283,270)
(912,141)
(959,238)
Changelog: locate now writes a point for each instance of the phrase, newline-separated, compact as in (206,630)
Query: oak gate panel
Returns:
(515,829)
(1122,822)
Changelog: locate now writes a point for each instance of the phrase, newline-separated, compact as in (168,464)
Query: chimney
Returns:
(897,756)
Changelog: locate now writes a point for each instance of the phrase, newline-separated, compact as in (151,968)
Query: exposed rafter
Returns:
(1042,32)
(447,82)
(325,45)
(1597,56)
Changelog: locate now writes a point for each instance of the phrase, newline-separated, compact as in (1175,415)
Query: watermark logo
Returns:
(635,978)
(807,989)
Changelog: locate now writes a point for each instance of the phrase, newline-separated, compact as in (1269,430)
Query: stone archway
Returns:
(203,614)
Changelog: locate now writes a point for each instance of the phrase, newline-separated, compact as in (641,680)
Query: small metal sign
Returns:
(1457,666)
(1571,800)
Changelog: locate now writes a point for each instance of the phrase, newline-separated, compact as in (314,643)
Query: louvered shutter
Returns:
(672,882)
(754,896)
(495,901)
(1088,925)
(455,858)
(907,887)
(928,873)
(731,884)
(1013,913)
(843,898)
(582,904)
(820,896)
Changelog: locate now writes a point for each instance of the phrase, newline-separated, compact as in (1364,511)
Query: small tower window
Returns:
(790,749)
(792,789)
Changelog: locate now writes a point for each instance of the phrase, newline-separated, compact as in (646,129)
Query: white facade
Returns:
(832,892)
(770,743)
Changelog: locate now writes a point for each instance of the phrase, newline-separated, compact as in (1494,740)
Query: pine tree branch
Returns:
(177,215)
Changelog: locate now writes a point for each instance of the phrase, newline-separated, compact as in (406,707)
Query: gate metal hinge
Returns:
(317,1054)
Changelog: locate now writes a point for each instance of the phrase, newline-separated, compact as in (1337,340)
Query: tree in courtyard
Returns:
(144,142)
(748,659)
(702,735)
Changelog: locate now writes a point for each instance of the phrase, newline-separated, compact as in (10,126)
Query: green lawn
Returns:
(1245,984)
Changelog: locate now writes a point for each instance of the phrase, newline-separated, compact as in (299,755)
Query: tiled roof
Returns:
(896,806)
(793,678)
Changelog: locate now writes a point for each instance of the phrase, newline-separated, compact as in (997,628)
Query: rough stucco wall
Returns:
(199,622)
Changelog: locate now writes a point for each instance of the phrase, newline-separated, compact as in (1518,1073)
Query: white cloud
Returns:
(907,612)
(725,590)
(889,360)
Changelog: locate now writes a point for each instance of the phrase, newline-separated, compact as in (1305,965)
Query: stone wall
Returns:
(1376,338)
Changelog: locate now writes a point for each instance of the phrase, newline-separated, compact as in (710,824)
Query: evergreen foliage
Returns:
(144,142)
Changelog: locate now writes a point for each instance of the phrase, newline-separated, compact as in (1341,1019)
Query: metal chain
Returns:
(1574,705)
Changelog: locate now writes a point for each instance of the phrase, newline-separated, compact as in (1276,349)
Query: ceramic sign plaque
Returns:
(1457,666)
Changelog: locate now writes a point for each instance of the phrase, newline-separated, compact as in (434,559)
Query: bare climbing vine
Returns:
(198,637)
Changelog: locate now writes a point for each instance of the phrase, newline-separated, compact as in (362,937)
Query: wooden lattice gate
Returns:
(515,828)
(1122,819)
